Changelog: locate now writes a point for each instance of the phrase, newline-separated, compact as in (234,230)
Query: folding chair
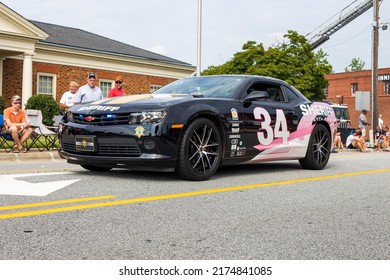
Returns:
(5,137)
(50,137)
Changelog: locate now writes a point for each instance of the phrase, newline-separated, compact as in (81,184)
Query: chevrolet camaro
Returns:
(194,125)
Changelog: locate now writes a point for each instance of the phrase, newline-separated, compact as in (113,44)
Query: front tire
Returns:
(318,151)
(200,151)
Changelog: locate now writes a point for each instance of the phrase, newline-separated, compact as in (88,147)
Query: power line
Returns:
(350,39)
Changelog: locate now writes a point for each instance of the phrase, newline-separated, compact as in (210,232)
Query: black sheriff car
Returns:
(194,125)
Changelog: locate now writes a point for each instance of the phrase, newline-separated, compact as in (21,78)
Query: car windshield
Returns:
(211,86)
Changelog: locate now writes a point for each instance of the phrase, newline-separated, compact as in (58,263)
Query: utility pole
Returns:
(375,44)
(199,46)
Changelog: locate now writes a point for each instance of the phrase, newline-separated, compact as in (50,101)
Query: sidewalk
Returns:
(31,155)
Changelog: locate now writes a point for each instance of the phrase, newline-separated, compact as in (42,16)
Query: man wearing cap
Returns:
(118,89)
(89,92)
(15,122)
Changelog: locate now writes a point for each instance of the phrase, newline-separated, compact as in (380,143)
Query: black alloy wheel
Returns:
(318,151)
(200,151)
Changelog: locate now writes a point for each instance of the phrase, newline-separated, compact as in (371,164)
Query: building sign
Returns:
(385,77)
(362,100)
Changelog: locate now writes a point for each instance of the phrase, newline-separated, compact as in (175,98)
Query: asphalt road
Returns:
(266,211)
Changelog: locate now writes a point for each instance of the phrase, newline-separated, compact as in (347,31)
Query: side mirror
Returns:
(256,95)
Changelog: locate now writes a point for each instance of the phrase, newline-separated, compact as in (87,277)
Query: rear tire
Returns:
(318,151)
(200,151)
(95,168)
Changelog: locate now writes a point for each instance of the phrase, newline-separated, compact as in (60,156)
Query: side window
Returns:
(46,84)
(291,95)
(354,88)
(386,87)
(153,88)
(106,86)
(274,91)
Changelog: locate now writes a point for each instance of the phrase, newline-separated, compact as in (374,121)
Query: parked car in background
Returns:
(194,125)
(342,115)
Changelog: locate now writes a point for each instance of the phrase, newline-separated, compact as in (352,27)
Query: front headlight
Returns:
(69,117)
(147,117)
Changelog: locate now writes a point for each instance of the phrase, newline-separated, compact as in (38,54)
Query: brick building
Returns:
(342,88)
(42,58)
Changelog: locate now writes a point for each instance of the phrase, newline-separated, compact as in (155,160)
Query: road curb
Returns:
(30,156)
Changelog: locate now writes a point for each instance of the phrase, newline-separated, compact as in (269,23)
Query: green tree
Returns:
(291,60)
(356,65)
(2,105)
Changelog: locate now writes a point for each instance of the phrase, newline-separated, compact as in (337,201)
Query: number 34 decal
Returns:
(266,134)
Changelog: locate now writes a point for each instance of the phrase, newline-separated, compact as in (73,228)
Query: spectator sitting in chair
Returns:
(16,124)
(386,138)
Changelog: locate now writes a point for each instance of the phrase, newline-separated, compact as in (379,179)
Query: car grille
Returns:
(101,119)
(122,147)
(343,124)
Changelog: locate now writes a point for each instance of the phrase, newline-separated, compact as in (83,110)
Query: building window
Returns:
(386,89)
(106,86)
(154,88)
(354,88)
(46,84)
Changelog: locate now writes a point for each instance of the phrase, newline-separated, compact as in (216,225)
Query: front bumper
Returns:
(118,146)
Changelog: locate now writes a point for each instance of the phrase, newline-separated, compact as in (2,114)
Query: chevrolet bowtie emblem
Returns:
(89,118)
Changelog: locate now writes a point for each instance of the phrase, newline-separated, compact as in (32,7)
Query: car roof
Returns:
(339,105)
(265,78)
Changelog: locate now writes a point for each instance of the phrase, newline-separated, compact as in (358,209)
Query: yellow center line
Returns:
(186,194)
(56,202)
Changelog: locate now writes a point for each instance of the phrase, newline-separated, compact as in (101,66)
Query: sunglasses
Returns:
(118,82)
(16,103)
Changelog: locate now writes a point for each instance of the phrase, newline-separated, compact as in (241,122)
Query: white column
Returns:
(27,77)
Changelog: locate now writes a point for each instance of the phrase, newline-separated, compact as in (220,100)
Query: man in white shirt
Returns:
(350,138)
(89,92)
(68,98)
(362,123)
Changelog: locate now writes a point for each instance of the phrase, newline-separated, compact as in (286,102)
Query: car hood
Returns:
(132,103)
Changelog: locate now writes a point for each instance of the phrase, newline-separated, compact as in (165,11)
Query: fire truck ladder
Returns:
(322,33)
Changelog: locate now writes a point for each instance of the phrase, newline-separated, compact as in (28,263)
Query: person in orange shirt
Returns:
(16,123)
(118,89)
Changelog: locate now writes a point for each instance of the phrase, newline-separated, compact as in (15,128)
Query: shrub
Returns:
(2,105)
(46,104)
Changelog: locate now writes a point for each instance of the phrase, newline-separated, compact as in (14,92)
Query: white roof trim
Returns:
(16,25)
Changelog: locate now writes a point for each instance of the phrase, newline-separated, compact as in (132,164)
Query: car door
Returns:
(267,122)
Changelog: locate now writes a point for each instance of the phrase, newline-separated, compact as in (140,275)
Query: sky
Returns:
(169,27)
